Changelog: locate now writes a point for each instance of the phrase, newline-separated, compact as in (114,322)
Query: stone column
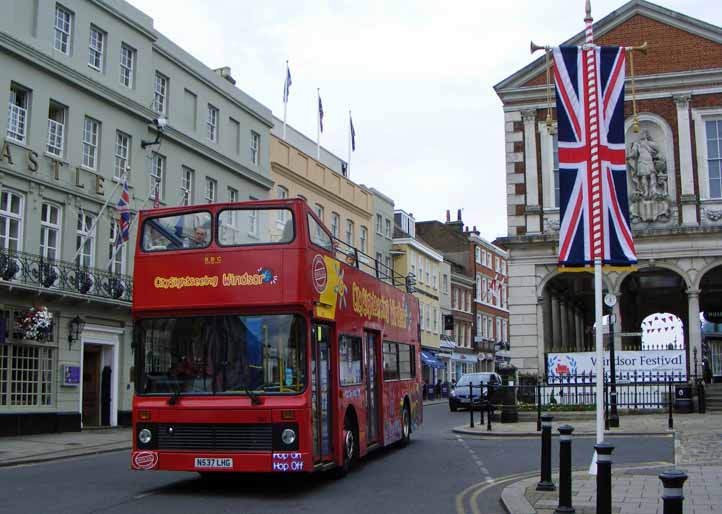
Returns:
(533,210)
(688,198)
(556,324)
(547,315)
(543,330)
(564,325)
(579,318)
(694,339)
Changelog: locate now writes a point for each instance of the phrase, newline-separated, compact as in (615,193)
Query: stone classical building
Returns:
(675,193)
(86,83)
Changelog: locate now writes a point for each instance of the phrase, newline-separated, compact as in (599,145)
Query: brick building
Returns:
(675,193)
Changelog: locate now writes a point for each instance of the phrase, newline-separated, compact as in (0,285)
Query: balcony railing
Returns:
(61,277)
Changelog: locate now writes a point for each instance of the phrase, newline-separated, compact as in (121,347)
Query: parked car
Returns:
(459,396)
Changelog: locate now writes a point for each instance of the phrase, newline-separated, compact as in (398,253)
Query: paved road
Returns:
(438,473)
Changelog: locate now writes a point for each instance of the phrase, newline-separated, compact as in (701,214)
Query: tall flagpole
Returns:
(350,136)
(318,125)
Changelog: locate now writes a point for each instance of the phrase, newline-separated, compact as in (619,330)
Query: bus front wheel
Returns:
(405,425)
(349,447)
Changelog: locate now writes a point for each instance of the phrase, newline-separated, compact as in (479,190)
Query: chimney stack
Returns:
(458,215)
(225,72)
(448,216)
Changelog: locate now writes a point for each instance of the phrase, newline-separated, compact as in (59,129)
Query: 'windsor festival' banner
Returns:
(563,365)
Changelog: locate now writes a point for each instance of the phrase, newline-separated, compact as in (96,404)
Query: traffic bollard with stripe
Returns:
(565,470)
(471,406)
(546,484)
(672,482)
(604,477)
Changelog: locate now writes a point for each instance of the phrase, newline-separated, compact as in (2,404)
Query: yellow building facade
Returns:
(345,207)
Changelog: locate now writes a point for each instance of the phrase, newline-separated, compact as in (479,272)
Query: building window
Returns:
(50,227)
(127,65)
(212,123)
(56,129)
(232,195)
(445,283)
(122,154)
(388,264)
(63,29)
(349,232)
(157,174)
(478,287)
(116,251)
(504,335)
(503,297)
(388,228)
(379,224)
(211,188)
(428,273)
(281,194)
(434,318)
(498,329)
(85,240)
(420,267)
(714,157)
(318,208)
(160,94)
(11,221)
(18,113)
(555,169)
(26,375)
(363,237)
(186,185)
(91,131)
(477,254)
(255,146)
(335,221)
(96,48)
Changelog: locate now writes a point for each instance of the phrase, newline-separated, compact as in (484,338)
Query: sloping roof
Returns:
(612,21)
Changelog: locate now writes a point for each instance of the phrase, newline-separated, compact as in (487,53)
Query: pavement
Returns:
(638,490)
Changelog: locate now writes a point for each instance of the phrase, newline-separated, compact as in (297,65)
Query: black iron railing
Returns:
(58,276)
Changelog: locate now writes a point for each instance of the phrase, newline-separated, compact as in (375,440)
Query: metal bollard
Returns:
(701,403)
(672,482)
(546,484)
(481,408)
(489,412)
(538,408)
(471,407)
(670,421)
(565,470)
(604,477)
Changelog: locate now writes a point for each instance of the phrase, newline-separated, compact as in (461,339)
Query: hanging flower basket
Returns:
(34,324)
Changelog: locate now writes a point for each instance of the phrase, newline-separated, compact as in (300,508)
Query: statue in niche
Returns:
(649,195)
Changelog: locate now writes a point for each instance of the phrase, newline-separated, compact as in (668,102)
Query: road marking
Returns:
(143,495)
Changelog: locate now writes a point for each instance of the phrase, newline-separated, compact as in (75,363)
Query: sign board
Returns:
(561,365)
(463,357)
(71,375)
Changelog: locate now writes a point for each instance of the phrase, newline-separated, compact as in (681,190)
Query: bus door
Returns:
(321,392)
(372,389)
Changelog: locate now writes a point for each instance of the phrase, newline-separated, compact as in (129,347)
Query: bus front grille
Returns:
(237,437)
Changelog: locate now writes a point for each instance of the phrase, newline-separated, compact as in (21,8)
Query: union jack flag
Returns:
(124,211)
(594,210)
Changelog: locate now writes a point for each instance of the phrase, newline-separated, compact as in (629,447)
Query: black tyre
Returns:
(350,447)
(405,425)
(453,407)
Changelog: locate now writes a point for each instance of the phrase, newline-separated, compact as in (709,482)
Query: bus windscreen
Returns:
(221,354)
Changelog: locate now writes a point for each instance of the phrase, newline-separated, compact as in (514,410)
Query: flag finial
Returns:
(588,8)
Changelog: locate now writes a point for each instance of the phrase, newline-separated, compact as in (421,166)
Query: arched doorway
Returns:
(710,305)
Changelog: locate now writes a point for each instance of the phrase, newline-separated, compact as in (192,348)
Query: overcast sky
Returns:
(418,76)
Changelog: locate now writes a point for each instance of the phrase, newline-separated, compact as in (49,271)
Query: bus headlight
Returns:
(288,436)
(144,436)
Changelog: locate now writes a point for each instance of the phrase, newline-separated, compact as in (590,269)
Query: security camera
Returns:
(160,123)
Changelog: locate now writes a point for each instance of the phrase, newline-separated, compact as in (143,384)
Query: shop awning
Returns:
(429,360)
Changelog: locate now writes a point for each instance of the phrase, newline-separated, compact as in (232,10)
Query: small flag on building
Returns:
(287,85)
(353,133)
(320,113)
(124,211)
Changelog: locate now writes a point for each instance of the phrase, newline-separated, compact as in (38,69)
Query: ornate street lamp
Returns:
(76,329)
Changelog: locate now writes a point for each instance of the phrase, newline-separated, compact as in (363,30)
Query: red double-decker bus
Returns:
(262,344)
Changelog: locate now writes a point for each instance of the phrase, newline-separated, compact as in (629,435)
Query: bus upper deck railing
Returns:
(356,258)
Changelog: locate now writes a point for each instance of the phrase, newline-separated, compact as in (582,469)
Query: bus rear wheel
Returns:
(405,425)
